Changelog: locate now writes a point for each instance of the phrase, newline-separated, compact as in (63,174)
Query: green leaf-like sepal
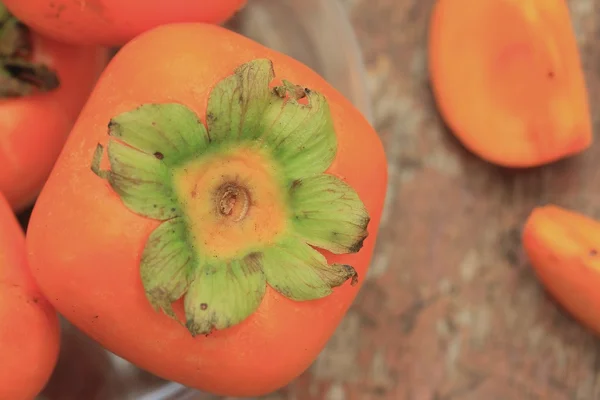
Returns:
(301,136)
(141,180)
(224,293)
(264,146)
(328,213)
(237,103)
(301,273)
(170,131)
(167,264)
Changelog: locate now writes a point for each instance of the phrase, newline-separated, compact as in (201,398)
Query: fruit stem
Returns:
(233,201)
(19,76)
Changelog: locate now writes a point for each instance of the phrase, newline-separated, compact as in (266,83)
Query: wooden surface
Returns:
(452,309)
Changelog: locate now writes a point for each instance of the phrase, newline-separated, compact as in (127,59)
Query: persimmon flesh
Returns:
(563,247)
(507,79)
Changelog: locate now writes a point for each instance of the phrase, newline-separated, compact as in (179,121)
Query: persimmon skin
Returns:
(29,329)
(34,128)
(507,79)
(114,22)
(85,246)
(564,249)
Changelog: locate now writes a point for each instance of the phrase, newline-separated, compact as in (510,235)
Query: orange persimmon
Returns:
(563,247)
(114,22)
(43,87)
(29,329)
(213,213)
(507,79)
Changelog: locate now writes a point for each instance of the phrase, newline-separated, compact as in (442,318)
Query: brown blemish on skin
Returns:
(159,155)
(56,10)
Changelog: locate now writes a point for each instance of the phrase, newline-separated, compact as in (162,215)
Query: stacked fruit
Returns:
(205,207)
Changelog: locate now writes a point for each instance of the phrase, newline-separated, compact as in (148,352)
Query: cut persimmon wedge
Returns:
(507,79)
(563,247)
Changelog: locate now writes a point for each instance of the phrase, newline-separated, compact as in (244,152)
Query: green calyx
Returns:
(242,202)
(19,76)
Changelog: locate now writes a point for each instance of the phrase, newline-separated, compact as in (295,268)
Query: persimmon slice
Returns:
(507,79)
(563,247)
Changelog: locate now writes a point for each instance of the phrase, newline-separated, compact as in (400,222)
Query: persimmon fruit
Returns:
(43,87)
(214,211)
(114,22)
(29,329)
